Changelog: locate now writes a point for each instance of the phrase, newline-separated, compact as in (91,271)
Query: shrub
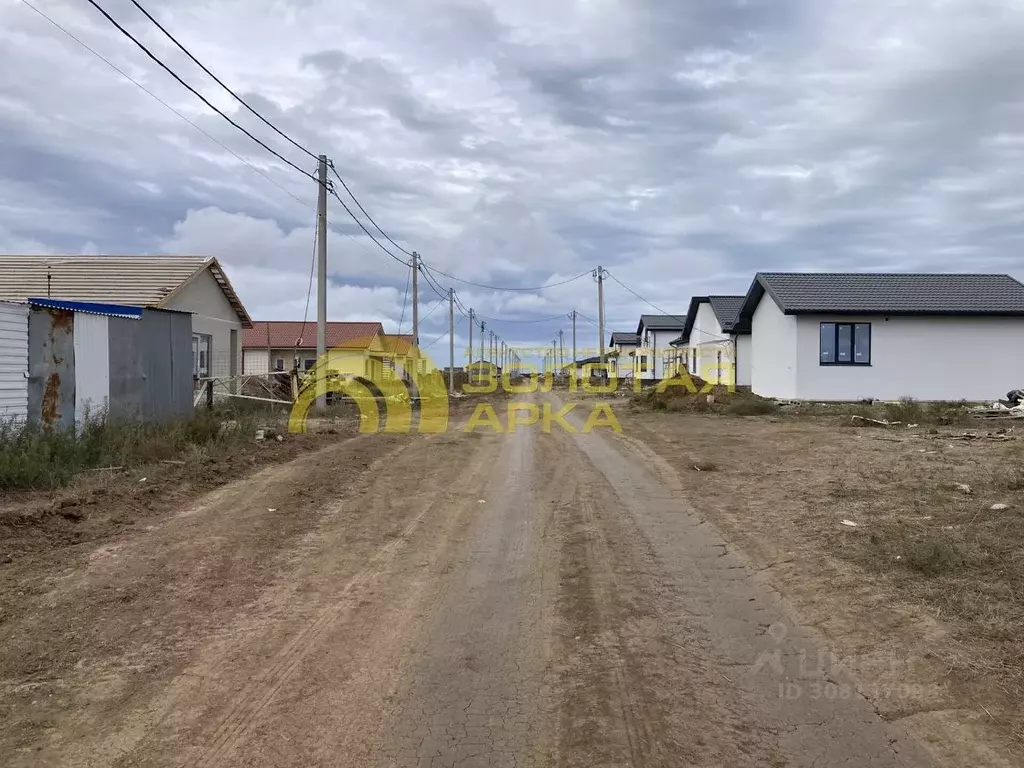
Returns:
(934,556)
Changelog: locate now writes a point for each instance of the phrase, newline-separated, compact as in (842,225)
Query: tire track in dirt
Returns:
(247,708)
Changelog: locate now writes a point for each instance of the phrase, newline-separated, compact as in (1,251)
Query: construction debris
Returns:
(880,422)
(848,523)
(999,507)
(964,487)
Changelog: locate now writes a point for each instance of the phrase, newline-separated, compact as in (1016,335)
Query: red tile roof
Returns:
(285,334)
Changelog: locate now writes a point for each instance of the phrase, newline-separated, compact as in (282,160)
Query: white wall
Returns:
(773,354)
(13,361)
(625,361)
(707,338)
(927,358)
(742,346)
(212,314)
(92,366)
(255,362)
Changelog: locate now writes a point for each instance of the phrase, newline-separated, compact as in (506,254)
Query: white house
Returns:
(624,347)
(710,345)
(193,284)
(655,353)
(839,337)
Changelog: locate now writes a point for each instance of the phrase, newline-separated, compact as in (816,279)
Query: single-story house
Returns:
(656,333)
(194,284)
(625,345)
(710,345)
(63,362)
(356,349)
(841,337)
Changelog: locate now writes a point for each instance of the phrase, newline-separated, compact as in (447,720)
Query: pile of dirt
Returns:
(693,394)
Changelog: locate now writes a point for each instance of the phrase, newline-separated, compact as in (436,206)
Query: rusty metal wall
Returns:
(51,367)
(151,365)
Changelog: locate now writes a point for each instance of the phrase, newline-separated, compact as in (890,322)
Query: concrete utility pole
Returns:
(561,347)
(600,312)
(451,339)
(573,316)
(416,301)
(470,336)
(483,327)
(321,285)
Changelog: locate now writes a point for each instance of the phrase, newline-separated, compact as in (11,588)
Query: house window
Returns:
(201,344)
(279,364)
(643,363)
(845,344)
(308,363)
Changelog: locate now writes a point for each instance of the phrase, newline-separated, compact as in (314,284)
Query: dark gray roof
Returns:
(727,310)
(618,337)
(886,294)
(661,323)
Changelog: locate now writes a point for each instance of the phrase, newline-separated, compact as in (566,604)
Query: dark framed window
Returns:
(309,363)
(279,364)
(845,344)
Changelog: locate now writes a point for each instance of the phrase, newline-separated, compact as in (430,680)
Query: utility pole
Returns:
(470,337)
(483,327)
(451,339)
(416,301)
(573,316)
(600,312)
(321,286)
(561,347)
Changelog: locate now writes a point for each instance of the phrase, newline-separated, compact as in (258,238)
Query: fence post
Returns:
(209,395)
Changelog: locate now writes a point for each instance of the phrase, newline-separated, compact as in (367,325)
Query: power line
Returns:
(367,215)
(435,340)
(429,311)
(309,291)
(521,322)
(500,288)
(405,301)
(435,286)
(148,92)
(196,93)
(680,318)
(362,227)
(220,82)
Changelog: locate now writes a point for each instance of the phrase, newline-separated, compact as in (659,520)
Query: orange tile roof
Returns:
(395,344)
(285,334)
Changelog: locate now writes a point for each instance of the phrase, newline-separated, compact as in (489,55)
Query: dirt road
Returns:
(522,599)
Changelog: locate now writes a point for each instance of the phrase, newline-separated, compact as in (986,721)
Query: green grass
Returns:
(33,458)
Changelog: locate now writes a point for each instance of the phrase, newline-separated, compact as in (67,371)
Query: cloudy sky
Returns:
(682,144)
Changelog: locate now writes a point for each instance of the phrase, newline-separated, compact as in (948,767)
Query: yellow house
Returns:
(353,349)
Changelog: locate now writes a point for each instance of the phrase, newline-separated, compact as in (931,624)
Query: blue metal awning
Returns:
(91,308)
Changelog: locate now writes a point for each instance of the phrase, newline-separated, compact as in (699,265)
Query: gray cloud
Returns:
(682,145)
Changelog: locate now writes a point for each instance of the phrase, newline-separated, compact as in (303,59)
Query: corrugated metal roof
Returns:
(888,293)
(90,308)
(286,334)
(143,281)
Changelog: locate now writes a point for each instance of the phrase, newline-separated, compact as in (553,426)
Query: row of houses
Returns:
(136,335)
(843,336)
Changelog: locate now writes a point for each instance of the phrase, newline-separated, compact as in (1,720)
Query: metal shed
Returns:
(87,358)
(13,360)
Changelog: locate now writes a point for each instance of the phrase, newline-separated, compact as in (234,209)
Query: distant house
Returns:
(194,284)
(624,346)
(838,337)
(481,372)
(357,349)
(710,345)
(656,333)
